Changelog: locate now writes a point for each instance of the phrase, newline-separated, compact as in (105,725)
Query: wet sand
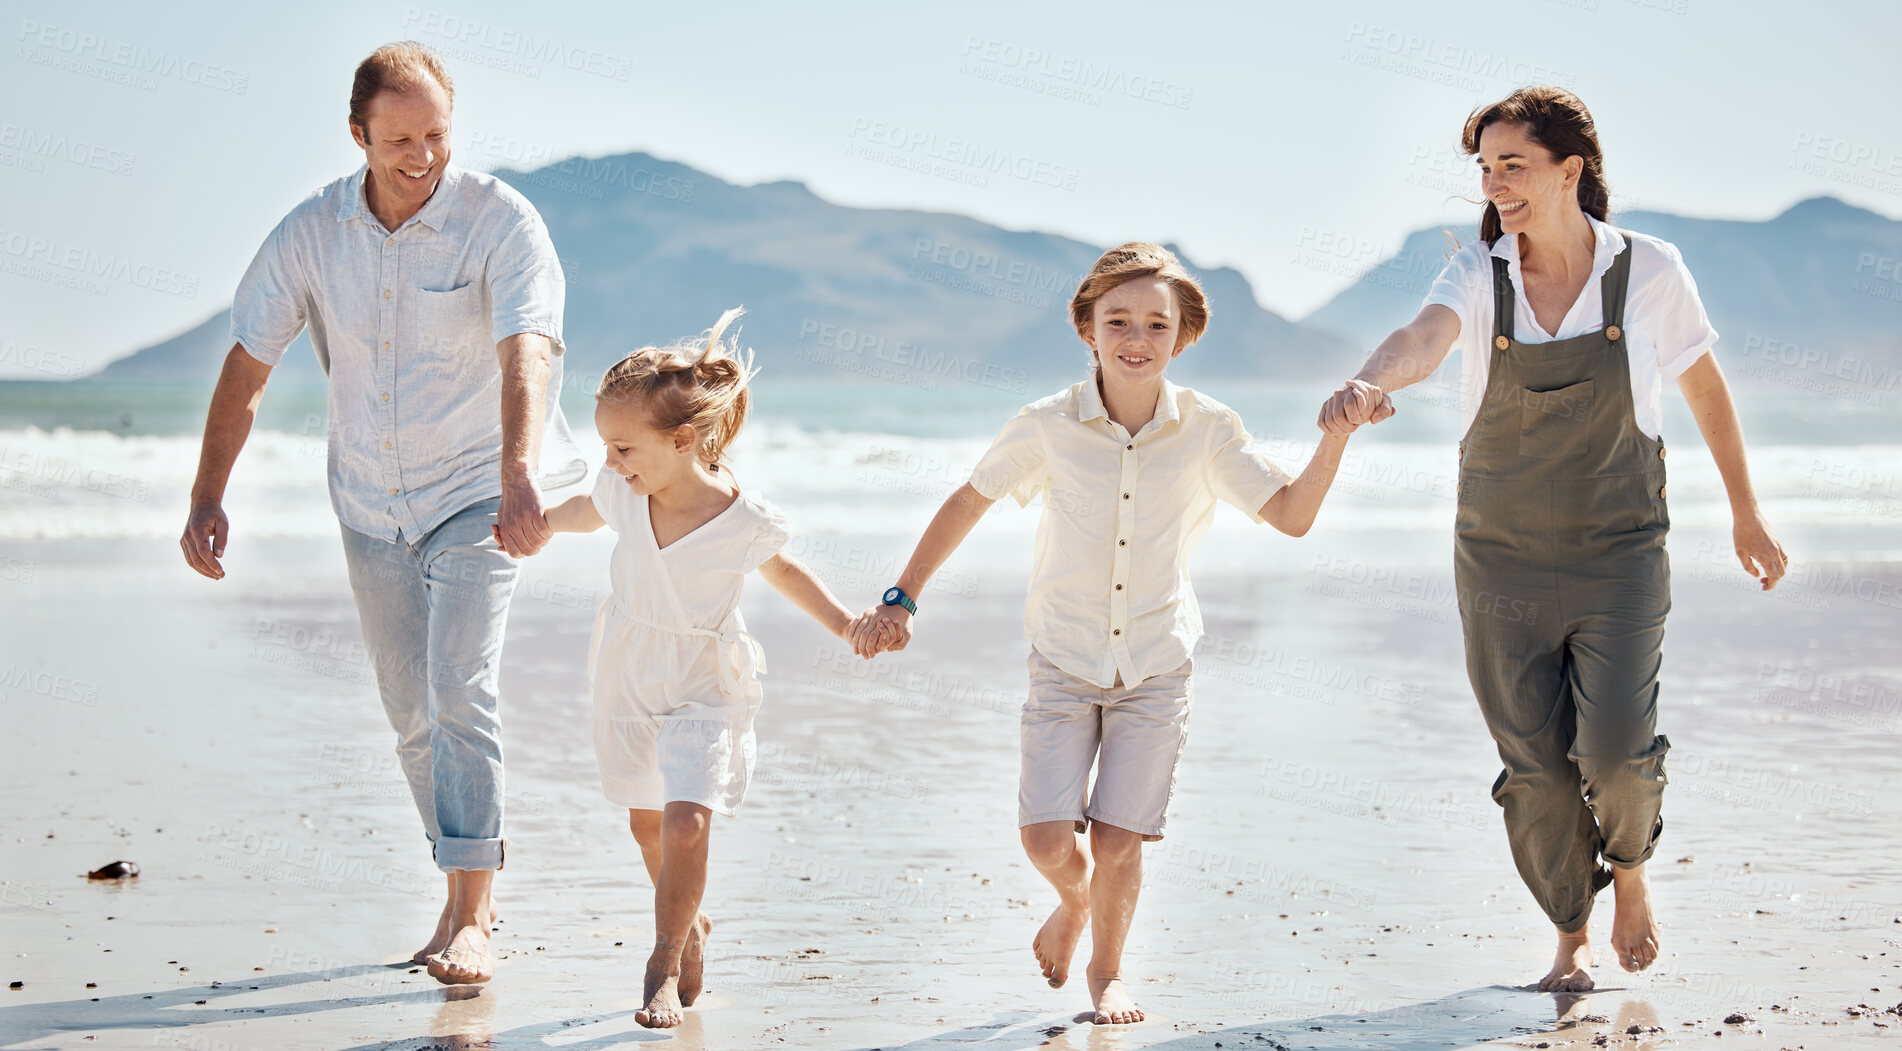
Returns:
(1334,875)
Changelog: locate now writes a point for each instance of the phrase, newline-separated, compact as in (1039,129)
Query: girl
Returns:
(671,668)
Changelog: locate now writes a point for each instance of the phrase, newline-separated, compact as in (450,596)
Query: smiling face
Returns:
(1530,187)
(405,140)
(1133,331)
(647,458)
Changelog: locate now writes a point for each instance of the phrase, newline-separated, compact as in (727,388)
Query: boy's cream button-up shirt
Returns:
(1110,596)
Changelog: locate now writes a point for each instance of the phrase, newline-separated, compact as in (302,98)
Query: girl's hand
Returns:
(1758,550)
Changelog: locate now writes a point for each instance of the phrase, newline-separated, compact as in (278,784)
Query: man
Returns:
(407,273)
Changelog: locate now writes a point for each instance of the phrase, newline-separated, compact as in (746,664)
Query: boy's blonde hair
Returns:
(696,383)
(1126,262)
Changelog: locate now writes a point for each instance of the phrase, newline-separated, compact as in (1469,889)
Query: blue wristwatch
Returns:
(896,596)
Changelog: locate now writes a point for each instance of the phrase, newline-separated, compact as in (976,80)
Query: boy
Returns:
(1133,466)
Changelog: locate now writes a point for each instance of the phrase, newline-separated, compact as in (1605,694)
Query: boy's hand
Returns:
(1357,402)
(879,629)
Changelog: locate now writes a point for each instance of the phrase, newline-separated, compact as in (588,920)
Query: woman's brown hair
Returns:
(1557,120)
(1127,262)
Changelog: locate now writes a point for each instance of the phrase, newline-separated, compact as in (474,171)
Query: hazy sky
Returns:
(1296,142)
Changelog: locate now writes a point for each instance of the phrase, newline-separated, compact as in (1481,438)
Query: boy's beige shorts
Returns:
(1132,734)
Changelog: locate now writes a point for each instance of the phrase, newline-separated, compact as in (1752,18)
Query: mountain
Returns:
(655,250)
(1813,296)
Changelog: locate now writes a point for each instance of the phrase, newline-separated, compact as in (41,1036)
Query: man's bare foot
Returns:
(1634,933)
(1113,1005)
(1569,974)
(1055,942)
(693,961)
(440,940)
(467,960)
(662,991)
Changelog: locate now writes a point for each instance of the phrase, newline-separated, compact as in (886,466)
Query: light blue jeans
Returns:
(433,612)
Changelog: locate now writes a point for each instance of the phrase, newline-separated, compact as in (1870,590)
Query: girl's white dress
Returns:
(672,671)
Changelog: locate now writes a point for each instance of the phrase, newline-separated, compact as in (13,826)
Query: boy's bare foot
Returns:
(1568,974)
(1113,1005)
(440,940)
(1634,933)
(693,961)
(467,960)
(1056,941)
(662,991)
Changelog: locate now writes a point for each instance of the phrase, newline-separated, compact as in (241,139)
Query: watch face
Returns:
(892,595)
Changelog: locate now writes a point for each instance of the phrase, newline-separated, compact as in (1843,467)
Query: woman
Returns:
(1569,327)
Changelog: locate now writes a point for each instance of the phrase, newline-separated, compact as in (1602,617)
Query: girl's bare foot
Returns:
(662,991)
(1569,974)
(1634,933)
(693,961)
(467,960)
(1113,1005)
(1056,942)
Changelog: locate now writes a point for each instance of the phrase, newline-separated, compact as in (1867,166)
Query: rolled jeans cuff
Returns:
(453,853)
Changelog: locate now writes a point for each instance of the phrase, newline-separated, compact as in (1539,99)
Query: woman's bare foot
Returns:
(1569,974)
(1055,942)
(693,961)
(467,960)
(1634,933)
(1113,1005)
(662,991)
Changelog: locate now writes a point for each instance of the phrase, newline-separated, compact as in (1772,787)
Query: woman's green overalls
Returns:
(1563,588)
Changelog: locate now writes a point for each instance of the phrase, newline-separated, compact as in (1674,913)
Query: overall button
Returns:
(1660,452)
(1501,342)
(1612,333)
(1660,492)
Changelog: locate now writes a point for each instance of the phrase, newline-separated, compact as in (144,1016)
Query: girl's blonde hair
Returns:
(696,383)
(1127,262)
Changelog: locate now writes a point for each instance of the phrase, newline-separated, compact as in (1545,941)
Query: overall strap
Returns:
(1616,282)
(1503,304)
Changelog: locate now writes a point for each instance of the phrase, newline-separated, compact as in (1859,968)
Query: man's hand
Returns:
(521,527)
(206,531)
(1357,402)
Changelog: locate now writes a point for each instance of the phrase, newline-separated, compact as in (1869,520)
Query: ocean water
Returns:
(99,461)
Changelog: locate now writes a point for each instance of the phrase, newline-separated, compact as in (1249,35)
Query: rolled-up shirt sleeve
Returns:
(268,311)
(1015,463)
(1674,317)
(1240,473)
(526,285)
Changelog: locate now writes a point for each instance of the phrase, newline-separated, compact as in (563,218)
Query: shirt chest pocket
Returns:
(448,330)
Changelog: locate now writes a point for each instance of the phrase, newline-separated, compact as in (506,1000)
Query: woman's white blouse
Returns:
(1667,329)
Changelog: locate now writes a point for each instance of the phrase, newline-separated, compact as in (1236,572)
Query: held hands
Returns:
(1757,548)
(1357,402)
(503,545)
(879,629)
(521,528)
